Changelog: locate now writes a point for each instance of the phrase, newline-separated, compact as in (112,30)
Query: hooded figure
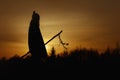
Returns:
(35,39)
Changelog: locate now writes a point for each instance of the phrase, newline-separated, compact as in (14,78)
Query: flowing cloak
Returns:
(35,39)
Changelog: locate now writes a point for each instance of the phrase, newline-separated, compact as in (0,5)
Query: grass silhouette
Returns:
(75,59)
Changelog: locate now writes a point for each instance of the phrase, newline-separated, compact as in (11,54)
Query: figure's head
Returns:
(35,16)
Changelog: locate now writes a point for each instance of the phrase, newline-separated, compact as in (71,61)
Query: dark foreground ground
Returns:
(77,64)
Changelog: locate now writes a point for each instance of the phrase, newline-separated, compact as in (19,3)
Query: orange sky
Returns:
(85,23)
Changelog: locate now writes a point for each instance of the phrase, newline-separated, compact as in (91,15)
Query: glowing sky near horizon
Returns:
(85,23)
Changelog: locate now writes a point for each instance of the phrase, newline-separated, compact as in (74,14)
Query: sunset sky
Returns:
(85,23)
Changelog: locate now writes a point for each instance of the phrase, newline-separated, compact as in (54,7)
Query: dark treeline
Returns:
(81,56)
(74,59)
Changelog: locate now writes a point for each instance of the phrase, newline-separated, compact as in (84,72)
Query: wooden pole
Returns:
(45,43)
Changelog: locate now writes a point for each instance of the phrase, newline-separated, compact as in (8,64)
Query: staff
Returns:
(45,43)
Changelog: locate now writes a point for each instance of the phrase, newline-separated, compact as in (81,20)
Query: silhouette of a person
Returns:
(35,39)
